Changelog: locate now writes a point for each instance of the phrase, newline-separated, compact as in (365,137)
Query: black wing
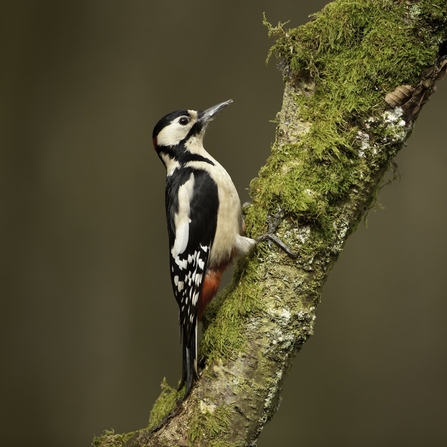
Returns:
(192,203)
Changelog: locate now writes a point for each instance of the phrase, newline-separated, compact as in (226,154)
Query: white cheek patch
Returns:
(171,135)
(182,219)
(175,132)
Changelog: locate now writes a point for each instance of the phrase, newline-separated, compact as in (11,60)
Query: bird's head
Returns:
(182,126)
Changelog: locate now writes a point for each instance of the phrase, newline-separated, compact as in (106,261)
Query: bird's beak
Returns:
(207,115)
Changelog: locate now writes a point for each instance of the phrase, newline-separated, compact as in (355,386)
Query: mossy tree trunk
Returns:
(355,80)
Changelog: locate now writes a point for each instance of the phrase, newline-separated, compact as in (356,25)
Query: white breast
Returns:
(228,237)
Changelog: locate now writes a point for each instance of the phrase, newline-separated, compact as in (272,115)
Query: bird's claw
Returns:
(273,223)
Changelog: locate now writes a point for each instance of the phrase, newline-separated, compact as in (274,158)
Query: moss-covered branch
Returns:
(355,80)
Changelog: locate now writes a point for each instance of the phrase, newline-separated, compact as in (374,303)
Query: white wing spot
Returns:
(182,263)
(198,279)
(195,297)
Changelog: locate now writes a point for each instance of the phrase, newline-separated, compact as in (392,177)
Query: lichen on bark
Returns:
(337,135)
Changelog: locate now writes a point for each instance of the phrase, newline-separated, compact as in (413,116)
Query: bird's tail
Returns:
(189,363)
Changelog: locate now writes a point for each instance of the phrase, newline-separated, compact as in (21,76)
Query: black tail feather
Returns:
(189,360)
(183,379)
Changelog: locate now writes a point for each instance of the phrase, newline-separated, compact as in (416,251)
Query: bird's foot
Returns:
(274,222)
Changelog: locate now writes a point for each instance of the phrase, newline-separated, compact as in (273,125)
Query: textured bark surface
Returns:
(323,176)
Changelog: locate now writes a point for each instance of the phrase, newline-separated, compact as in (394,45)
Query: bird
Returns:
(204,221)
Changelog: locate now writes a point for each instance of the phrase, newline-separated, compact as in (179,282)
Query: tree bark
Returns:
(356,77)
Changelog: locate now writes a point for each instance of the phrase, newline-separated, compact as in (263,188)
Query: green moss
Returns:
(166,402)
(348,70)
(429,14)
(223,336)
(210,423)
(336,142)
(374,48)
(110,439)
(352,67)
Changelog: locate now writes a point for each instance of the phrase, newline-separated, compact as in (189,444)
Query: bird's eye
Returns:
(183,120)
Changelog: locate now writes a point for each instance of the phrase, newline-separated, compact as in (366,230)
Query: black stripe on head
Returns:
(186,156)
(195,130)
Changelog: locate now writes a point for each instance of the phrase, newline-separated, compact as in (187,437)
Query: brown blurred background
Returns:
(88,320)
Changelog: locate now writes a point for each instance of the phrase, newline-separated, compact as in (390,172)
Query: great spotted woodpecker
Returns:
(205,224)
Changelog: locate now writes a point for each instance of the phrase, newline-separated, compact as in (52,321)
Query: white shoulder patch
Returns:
(182,219)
